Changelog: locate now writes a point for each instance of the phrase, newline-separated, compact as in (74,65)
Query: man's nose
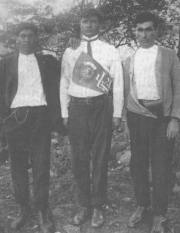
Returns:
(144,34)
(88,24)
(26,39)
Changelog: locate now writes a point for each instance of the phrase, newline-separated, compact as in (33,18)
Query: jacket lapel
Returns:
(12,79)
(12,69)
(41,64)
(158,72)
(42,69)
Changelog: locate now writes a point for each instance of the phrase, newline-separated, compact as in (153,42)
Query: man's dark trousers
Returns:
(149,143)
(30,142)
(90,129)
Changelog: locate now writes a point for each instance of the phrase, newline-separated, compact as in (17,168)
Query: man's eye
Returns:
(145,29)
(149,29)
(84,21)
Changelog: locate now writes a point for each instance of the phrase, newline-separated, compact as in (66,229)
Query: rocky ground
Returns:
(120,204)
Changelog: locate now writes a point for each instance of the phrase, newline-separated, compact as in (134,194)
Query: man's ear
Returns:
(74,42)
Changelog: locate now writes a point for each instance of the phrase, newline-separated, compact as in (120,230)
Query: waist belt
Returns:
(88,100)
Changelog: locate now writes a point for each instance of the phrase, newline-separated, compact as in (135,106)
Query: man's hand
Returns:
(172,129)
(65,121)
(74,43)
(116,122)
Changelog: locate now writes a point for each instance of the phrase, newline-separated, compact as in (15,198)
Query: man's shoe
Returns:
(97,218)
(159,224)
(46,221)
(137,216)
(81,216)
(21,220)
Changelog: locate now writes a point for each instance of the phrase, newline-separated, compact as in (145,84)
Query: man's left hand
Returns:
(116,122)
(172,129)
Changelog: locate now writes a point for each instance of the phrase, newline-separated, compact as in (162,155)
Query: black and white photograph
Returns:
(89,116)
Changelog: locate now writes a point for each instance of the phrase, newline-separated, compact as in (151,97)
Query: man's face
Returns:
(90,26)
(146,34)
(27,41)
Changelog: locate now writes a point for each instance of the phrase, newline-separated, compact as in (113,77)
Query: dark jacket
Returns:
(50,75)
(168,80)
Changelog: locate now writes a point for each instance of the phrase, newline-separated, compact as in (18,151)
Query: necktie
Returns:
(89,48)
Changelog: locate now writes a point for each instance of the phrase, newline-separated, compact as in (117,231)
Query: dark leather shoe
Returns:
(137,216)
(97,218)
(81,216)
(46,221)
(159,224)
(21,220)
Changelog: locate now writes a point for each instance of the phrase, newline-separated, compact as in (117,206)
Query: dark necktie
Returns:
(89,48)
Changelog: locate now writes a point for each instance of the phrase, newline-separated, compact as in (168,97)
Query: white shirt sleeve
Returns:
(64,84)
(116,71)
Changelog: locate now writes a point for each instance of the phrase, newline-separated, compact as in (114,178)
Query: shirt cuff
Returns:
(116,114)
(64,113)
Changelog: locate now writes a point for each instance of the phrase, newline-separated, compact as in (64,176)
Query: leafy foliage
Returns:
(56,29)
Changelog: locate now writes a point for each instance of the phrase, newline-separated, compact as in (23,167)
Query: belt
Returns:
(29,107)
(87,100)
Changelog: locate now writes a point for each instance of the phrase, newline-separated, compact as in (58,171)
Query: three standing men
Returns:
(86,78)
(29,104)
(152,96)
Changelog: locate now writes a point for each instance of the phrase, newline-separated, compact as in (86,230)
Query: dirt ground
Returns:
(120,204)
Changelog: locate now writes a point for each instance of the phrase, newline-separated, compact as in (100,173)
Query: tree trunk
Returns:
(178,52)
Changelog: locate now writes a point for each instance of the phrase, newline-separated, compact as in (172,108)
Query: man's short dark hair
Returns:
(26,26)
(147,17)
(88,12)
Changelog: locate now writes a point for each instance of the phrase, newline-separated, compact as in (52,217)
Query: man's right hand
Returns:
(65,121)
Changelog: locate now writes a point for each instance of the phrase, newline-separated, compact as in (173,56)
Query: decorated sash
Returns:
(90,74)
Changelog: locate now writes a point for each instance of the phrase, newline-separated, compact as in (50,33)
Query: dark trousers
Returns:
(90,129)
(29,142)
(150,144)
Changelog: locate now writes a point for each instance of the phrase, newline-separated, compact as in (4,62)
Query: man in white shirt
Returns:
(29,105)
(152,97)
(87,74)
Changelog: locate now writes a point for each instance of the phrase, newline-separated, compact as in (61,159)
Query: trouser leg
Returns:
(40,147)
(79,135)
(19,155)
(162,152)
(139,165)
(101,126)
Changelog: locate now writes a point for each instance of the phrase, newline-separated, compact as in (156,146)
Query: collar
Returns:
(153,47)
(31,55)
(85,38)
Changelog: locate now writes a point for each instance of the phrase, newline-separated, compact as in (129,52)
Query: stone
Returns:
(176,189)
(72,229)
(123,159)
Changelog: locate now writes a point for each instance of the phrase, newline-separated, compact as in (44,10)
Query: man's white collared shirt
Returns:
(30,90)
(108,57)
(145,73)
